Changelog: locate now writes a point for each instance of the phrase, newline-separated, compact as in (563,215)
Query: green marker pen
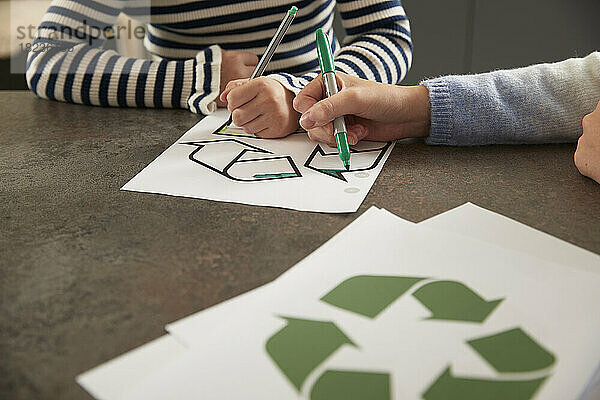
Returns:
(331,88)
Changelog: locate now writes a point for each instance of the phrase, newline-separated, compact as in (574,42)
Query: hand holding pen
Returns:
(262,106)
(373,111)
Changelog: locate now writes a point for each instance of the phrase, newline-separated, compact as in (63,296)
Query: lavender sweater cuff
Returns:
(542,103)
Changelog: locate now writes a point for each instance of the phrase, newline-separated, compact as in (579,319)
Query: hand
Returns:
(587,155)
(235,65)
(261,106)
(374,111)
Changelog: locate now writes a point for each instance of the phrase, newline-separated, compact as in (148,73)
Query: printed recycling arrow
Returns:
(242,162)
(302,345)
(351,385)
(450,300)
(512,351)
(369,295)
(328,162)
(448,386)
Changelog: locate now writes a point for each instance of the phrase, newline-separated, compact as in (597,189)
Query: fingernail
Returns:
(306,122)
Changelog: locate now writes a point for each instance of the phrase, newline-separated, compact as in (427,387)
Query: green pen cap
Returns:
(293,10)
(324,51)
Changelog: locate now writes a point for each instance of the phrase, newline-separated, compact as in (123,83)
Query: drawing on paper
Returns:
(222,163)
(245,163)
(232,130)
(249,163)
(327,162)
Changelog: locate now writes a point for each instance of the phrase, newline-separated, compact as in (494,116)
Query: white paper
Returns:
(477,222)
(555,306)
(292,172)
(113,379)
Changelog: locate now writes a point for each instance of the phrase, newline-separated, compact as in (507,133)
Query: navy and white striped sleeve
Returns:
(377,46)
(71,65)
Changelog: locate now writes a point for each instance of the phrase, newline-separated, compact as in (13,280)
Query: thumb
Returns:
(346,102)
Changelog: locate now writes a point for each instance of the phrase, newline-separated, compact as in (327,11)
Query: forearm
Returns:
(74,68)
(538,104)
(92,76)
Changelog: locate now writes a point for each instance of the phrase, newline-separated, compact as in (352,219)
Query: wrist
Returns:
(419,107)
(410,110)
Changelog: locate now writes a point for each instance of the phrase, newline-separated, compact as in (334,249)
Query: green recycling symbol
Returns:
(302,344)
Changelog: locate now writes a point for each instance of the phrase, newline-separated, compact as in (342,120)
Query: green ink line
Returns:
(333,172)
(272,176)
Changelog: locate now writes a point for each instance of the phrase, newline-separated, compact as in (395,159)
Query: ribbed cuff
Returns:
(207,81)
(442,112)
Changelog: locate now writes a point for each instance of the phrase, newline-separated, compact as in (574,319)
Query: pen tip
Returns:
(347,167)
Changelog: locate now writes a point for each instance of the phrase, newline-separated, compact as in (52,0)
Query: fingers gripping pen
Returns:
(271,48)
(331,88)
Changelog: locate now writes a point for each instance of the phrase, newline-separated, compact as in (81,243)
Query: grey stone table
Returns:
(88,272)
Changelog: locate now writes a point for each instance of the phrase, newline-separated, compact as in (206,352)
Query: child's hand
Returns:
(235,64)
(374,111)
(261,106)
(587,155)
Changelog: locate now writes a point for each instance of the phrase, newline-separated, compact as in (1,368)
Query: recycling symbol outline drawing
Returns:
(247,154)
(302,345)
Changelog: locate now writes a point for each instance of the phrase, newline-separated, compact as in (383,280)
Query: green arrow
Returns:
(350,385)
(301,345)
(447,386)
(454,301)
(512,351)
(368,295)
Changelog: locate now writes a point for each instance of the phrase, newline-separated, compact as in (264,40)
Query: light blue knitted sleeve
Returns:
(538,104)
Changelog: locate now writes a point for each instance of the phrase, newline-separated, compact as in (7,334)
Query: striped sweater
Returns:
(186,38)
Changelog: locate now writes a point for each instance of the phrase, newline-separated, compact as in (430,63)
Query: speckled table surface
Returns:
(88,272)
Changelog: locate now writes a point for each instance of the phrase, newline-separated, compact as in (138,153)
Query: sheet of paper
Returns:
(477,222)
(113,379)
(208,162)
(411,313)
